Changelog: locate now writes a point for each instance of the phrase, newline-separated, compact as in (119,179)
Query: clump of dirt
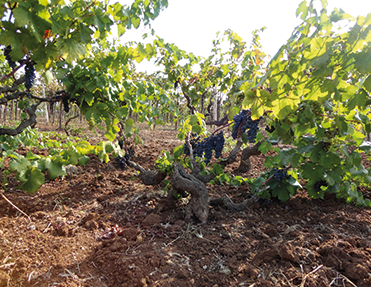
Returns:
(103,227)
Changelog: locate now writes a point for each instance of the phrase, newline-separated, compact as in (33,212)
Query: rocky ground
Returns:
(103,227)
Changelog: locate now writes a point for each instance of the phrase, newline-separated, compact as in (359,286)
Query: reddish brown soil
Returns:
(103,227)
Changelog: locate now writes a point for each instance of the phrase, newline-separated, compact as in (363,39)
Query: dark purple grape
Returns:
(243,122)
(204,148)
(281,174)
(123,161)
(29,74)
(7,51)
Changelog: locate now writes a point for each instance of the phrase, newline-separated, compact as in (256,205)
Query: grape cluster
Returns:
(65,101)
(121,144)
(318,184)
(194,141)
(238,120)
(326,146)
(281,174)
(29,74)
(122,161)
(219,144)
(205,147)
(243,122)
(7,51)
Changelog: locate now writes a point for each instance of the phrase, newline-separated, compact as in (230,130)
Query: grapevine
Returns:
(281,174)
(29,74)
(65,101)
(7,51)
(194,141)
(122,161)
(205,147)
(243,122)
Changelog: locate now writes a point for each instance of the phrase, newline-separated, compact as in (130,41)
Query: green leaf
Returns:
(24,116)
(333,177)
(110,133)
(54,167)
(281,192)
(43,2)
(70,155)
(121,29)
(85,33)
(302,9)
(257,184)
(367,84)
(32,180)
(122,112)
(71,49)
(135,20)
(109,147)
(103,156)
(19,164)
(129,124)
(83,147)
(84,160)
(48,77)
(196,129)
(217,169)
(178,152)
(21,16)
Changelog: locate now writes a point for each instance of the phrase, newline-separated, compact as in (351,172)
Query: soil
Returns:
(102,227)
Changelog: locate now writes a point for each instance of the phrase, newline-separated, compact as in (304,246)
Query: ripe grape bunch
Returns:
(65,101)
(243,122)
(29,74)
(205,147)
(7,51)
(194,140)
(281,174)
(122,161)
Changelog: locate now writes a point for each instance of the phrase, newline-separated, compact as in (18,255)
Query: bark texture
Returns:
(228,204)
(148,177)
(245,163)
(199,202)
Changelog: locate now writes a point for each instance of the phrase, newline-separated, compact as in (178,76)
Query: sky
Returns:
(192,24)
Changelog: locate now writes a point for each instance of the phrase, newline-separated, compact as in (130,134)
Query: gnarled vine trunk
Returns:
(199,203)
(148,177)
(247,152)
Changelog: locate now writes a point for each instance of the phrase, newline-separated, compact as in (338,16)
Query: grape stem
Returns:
(218,129)
(52,100)
(222,122)
(67,122)
(193,161)
(4,77)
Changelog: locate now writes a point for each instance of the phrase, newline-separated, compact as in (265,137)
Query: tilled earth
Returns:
(103,227)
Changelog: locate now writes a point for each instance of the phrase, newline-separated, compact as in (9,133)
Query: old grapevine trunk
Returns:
(199,202)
